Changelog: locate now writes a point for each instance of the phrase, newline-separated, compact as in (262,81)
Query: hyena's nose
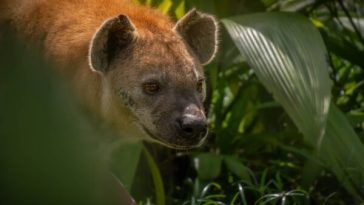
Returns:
(192,126)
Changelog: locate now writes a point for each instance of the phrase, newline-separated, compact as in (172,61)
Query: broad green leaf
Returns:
(126,161)
(50,153)
(236,167)
(208,165)
(157,178)
(289,57)
(343,151)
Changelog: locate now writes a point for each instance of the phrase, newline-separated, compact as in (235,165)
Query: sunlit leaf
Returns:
(165,6)
(289,57)
(180,9)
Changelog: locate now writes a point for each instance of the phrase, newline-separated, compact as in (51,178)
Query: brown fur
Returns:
(66,28)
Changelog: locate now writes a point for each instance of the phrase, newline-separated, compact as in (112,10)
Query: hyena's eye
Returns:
(151,88)
(200,85)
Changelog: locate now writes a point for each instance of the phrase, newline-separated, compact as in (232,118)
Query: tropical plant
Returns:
(297,143)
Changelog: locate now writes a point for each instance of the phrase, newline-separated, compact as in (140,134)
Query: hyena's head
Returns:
(153,79)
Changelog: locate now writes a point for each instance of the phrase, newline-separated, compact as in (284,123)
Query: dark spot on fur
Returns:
(127,99)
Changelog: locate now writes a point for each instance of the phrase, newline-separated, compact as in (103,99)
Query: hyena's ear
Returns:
(199,30)
(114,35)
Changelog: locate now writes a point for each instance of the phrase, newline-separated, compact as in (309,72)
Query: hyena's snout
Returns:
(192,124)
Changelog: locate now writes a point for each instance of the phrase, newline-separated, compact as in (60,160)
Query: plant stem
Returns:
(351,21)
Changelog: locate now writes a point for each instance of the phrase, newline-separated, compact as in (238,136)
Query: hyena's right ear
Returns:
(113,35)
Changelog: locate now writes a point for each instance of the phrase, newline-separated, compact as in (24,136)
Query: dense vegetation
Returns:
(255,153)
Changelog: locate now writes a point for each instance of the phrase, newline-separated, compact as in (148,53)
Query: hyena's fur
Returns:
(74,34)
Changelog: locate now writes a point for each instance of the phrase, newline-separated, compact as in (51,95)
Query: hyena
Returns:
(132,66)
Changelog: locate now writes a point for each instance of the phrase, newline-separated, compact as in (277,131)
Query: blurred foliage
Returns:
(49,151)
(254,154)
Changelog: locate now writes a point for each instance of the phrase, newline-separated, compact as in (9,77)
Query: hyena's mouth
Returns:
(178,146)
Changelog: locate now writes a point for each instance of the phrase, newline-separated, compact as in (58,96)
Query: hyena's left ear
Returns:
(199,30)
(114,35)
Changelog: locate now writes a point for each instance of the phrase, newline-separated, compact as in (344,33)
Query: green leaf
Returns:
(343,151)
(355,118)
(125,163)
(344,49)
(157,179)
(236,167)
(208,165)
(165,6)
(136,1)
(50,153)
(180,9)
(294,70)
(289,57)
(296,5)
